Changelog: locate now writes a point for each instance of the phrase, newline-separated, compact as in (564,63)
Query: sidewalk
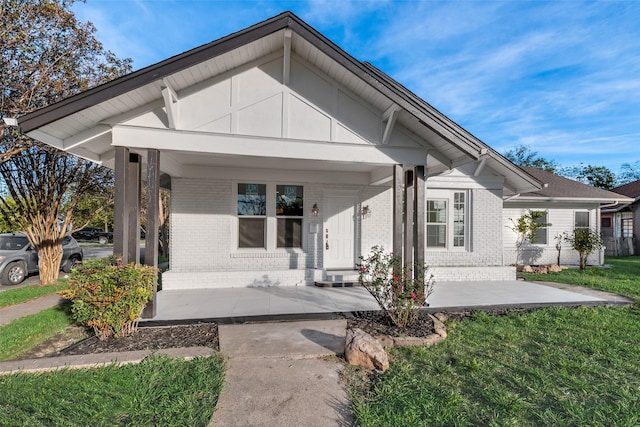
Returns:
(283,374)
(13,312)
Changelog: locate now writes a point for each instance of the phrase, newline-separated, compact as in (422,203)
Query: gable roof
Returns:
(560,188)
(73,122)
(631,189)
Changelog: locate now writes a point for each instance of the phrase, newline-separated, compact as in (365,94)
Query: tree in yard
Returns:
(526,227)
(585,241)
(629,172)
(522,155)
(46,55)
(596,176)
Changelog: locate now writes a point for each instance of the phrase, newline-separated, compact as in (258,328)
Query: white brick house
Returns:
(288,159)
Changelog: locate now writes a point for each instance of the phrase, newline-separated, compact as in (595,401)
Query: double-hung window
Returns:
(252,215)
(270,215)
(289,211)
(447,219)
(581,220)
(541,237)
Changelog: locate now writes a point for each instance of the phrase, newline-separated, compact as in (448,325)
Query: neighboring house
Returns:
(569,204)
(287,160)
(621,222)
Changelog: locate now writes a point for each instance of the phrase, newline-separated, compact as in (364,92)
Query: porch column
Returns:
(133,209)
(397,209)
(126,223)
(419,215)
(120,223)
(408,217)
(153,209)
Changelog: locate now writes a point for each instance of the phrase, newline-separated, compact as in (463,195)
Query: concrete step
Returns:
(339,278)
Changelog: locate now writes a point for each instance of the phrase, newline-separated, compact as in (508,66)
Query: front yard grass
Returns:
(621,275)
(20,295)
(555,366)
(27,332)
(160,391)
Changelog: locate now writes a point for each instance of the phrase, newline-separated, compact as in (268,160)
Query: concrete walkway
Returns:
(11,313)
(283,374)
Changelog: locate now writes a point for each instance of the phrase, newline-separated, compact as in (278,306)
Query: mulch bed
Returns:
(206,334)
(151,338)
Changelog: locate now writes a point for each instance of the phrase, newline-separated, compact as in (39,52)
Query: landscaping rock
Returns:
(526,269)
(361,349)
(554,268)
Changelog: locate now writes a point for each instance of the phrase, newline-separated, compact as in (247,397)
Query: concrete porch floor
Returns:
(230,305)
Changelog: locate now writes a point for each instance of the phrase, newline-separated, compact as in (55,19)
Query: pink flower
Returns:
(362,269)
(413,295)
(397,279)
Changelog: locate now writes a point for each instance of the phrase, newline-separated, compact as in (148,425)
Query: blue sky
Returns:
(562,77)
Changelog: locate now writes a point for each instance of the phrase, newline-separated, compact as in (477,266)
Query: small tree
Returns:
(526,227)
(585,241)
(400,290)
(559,238)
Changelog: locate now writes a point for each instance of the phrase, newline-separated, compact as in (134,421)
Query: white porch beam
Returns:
(286,66)
(380,176)
(170,103)
(85,136)
(390,116)
(247,145)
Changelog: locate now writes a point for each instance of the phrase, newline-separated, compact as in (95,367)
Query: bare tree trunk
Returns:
(45,235)
(49,258)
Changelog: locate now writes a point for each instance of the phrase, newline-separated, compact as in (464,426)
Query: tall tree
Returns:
(629,172)
(46,55)
(596,176)
(523,155)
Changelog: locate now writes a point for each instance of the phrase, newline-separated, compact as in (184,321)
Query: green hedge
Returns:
(109,296)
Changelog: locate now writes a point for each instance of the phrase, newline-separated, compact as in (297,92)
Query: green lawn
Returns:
(26,332)
(18,295)
(621,275)
(555,366)
(160,391)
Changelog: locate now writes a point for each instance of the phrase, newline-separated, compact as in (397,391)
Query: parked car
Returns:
(18,259)
(93,233)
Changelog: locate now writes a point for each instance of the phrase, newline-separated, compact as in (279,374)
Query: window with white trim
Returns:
(447,219)
(581,220)
(252,215)
(626,225)
(289,210)
(541,237)
(269,216)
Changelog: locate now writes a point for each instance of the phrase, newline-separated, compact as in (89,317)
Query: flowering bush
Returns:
(398,291)
(109,296)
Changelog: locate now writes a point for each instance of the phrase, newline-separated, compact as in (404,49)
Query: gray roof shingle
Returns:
(565,188)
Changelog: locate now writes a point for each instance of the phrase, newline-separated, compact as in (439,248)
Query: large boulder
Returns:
(361,349)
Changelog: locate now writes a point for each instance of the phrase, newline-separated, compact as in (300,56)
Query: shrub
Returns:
(400,289)
(109,296)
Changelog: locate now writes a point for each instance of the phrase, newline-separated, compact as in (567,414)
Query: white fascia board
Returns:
(571,199)
(46,138)
(85,136)
(247,145)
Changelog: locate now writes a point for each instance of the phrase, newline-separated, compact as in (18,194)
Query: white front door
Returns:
(338,232)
